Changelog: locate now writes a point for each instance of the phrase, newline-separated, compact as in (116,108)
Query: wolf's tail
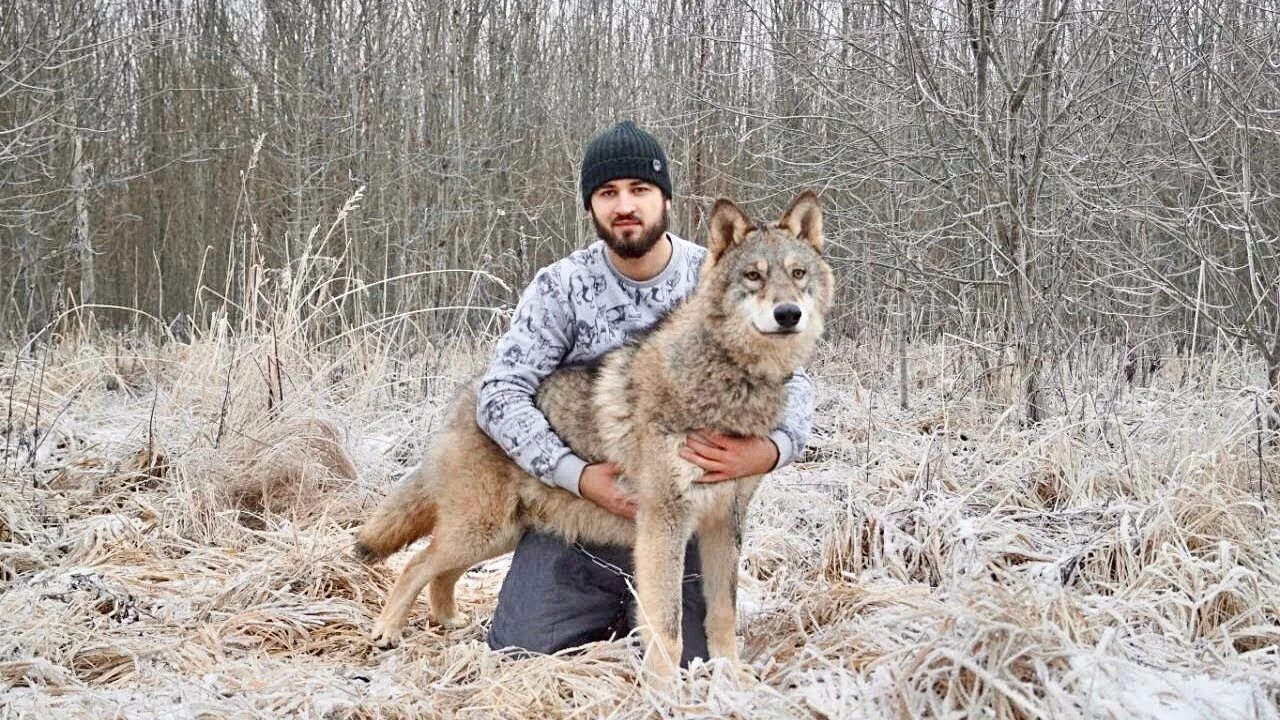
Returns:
(407,514)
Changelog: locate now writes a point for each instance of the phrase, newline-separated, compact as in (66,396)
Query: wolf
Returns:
(719,361)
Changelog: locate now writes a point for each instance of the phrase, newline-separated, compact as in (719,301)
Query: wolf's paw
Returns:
(740,674)
(658,669)
(363,553)
(454,621)
(384,635)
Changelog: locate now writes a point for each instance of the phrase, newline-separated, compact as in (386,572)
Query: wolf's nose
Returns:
(787,315)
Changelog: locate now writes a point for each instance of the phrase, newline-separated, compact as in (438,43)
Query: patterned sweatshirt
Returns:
(575,311)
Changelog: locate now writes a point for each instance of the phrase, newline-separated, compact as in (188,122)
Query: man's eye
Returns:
(798,273)
(753,275)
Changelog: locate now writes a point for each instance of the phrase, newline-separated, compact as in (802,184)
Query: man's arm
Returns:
(797,419)
(541,335)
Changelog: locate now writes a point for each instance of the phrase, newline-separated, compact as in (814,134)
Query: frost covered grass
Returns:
(175,522)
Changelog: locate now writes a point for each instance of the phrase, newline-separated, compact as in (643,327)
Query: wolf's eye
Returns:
(753,275)
(798,273)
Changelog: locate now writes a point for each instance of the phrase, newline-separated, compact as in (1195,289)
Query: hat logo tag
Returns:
(657,165)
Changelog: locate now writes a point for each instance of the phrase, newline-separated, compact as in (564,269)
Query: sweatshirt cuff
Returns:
(786,451)
(568,472)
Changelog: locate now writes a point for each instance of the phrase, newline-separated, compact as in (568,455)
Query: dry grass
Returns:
(175,519)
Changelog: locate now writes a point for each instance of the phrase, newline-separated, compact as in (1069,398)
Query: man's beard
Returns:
(635,246)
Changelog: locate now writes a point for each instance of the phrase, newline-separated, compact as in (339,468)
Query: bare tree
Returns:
(1018,173)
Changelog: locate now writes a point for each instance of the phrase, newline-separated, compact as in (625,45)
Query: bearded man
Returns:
(558,595)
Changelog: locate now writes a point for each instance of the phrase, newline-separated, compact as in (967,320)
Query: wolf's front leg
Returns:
(662,530)
(720,548)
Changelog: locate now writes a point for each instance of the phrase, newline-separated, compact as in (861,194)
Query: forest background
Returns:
(1027,176)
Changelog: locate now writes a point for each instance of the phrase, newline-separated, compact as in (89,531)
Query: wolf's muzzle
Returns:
(787,315)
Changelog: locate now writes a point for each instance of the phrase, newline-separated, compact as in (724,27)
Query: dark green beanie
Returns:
(624,151)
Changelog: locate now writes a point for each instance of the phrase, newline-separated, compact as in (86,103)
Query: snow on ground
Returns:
(178,547)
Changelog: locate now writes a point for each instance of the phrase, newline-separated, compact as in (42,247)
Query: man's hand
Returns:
(599,484)
(725,457)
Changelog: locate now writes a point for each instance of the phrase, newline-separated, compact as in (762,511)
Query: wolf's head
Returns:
(768,283)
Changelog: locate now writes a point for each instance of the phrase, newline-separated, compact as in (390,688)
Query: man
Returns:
(557,595)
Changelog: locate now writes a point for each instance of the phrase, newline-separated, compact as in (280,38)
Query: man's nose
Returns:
(626,203)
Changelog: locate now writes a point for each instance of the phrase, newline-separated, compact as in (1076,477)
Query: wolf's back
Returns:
(459,451)
(568,399)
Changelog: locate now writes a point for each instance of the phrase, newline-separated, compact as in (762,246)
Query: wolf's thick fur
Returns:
(719,361)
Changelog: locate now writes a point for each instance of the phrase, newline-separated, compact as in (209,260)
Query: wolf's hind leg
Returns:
(443,606)
(446,558)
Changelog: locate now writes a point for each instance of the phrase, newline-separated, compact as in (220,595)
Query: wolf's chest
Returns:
(731,406)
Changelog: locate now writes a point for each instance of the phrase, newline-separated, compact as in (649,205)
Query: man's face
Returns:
(630,216)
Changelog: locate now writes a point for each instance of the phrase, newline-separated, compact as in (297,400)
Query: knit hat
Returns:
(624,151)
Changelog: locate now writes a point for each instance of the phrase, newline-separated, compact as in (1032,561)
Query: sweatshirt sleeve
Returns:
(797,419)
(541,335)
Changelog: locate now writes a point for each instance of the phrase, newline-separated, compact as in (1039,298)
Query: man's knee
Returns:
(556,596)
(553,598)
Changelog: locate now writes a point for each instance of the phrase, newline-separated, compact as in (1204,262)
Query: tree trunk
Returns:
(902,319)
(1273,384)
(80,225)
(30,293)
(1026,324)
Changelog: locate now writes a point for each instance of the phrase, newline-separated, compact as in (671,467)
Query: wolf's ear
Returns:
(804,219)
(728,226)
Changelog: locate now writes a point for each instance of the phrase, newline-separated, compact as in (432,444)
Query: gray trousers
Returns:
(557,596)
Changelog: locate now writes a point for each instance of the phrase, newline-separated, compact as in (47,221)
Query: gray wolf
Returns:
(718,361)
